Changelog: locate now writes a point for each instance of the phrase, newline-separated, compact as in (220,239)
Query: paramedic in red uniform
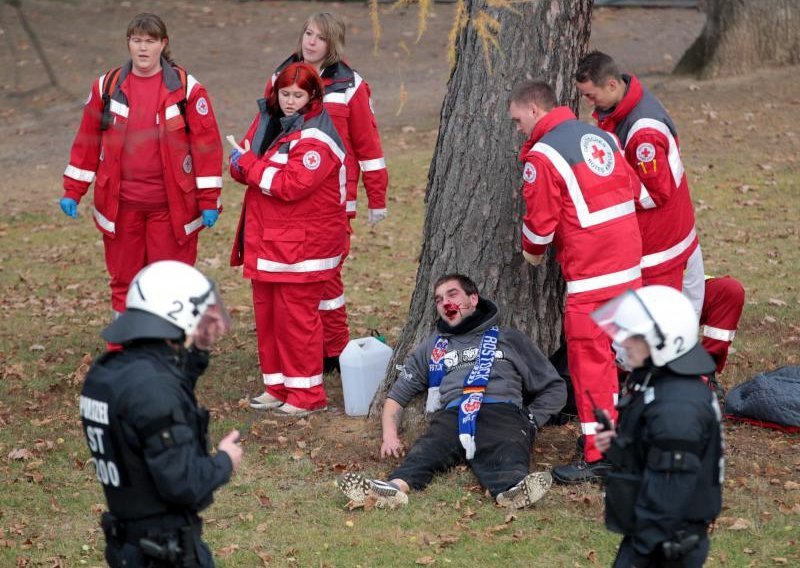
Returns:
(579,195)
(291,234)
(149,141)
(722,308)
(348,102)
(670,251)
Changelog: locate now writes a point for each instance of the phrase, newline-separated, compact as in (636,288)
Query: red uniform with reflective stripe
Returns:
(192,175)
(291,240)
(666,213)
(579,195)
(722,308)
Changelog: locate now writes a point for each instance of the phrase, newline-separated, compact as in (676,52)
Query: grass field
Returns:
(282,509)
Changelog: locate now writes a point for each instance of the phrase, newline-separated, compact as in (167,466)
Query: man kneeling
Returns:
(477,375)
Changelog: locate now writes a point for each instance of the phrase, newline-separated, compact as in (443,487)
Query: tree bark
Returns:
(473,201)
(743,35)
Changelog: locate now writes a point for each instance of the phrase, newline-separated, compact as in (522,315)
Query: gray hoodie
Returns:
(520,370)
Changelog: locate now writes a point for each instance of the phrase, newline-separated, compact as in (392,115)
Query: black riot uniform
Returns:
(149,440)
(666,484)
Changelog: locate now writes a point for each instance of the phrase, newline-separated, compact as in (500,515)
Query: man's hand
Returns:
(69,206)
(603,437)
(534,259)
(230,445)
(392,446)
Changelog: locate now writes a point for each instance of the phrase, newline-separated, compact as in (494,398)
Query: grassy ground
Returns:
(282,509)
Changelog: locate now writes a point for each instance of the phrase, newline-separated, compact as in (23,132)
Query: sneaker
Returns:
(265,401)
(581,471)
(527,492)
(286,409)
(359,490)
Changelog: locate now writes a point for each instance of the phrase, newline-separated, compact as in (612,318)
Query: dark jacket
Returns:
(147,434)
(667,459)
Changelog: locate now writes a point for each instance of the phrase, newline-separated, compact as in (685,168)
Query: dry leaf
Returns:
(740,525)
(777,302)
(425,560)
(790,485)
(20,454)
(226,551)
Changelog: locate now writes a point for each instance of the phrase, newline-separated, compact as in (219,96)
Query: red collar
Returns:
(630,99)
(547,123)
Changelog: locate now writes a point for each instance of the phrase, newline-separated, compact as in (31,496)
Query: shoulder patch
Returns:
(311,160)
(597,154)
(645,152)
(202,106)
(529,173)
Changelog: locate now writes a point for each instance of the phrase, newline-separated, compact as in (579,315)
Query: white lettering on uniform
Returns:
(94,410)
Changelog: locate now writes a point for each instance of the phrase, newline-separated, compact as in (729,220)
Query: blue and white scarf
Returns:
(474,385)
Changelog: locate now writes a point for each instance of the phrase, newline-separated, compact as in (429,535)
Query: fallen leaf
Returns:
(20,454)
(226,551)
(425,560)
(777,302)
(790,485)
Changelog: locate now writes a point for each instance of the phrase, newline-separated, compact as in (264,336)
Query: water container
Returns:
(363,363)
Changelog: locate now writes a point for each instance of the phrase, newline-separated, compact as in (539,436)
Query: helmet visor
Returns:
(626,316)
(215,321)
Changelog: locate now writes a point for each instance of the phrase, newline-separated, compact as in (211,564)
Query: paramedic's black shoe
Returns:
(581,472)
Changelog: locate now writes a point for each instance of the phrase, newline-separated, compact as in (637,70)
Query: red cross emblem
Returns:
(598,154)
(311,160)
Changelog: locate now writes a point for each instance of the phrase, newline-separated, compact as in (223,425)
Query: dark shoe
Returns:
(581,472)
(331,364)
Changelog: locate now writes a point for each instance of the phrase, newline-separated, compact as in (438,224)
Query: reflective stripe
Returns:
(302,382)
(208,182)
(351,206)
(657,258)
(193,226)
(673,154)
(333,304)
(645,200)
(279,158)
(536,239)
(103,221)
(272,378)
(373,165)
(604,280)
(191,83)
(100,83)
(335,98)
(719,334)
(318,134)
(266,179)
(589,428)
(310,265)
(585,217)
(342,183)
(79,174)
(118,108)
(171,112)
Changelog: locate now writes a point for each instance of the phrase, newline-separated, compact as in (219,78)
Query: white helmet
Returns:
(166,300)
(666,320)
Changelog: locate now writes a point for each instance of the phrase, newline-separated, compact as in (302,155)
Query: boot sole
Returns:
(535,487)
(358,489)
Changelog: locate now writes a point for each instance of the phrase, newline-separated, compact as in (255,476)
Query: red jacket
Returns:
(348,101)
(579,195)
(666,214)
(192,161)
(293,222)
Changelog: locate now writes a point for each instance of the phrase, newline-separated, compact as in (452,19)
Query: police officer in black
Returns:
(665,486)
(147,434)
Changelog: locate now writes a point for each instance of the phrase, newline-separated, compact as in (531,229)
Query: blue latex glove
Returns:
(69,207)
(210,217)
(235,155)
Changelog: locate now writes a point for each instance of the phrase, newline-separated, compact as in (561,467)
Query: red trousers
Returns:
(333,310)
(141,238)
(722,309)
(289,331)
(591,366)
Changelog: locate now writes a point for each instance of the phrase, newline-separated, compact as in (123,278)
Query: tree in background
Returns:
(743,35)
(473,210)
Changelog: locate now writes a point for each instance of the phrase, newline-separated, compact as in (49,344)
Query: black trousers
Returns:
(695,558)
(503,440)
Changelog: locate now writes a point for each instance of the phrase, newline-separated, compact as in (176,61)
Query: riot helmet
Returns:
(170,300)
(666,321)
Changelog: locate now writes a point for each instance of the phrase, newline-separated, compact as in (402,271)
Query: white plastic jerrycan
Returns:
(363,365)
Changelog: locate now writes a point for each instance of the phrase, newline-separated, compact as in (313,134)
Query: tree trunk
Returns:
(473,201)
(743,35)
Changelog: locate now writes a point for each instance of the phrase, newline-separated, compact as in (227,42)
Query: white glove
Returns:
(376,216)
